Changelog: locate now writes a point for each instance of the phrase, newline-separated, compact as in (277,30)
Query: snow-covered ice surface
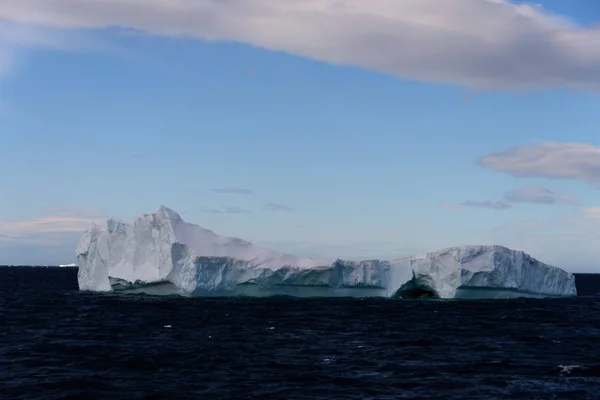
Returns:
(160,253)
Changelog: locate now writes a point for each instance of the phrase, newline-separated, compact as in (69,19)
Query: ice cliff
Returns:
(160,253)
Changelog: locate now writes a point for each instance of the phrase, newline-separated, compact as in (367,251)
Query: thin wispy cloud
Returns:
(234,190)
(573,161)
(46,230)
(277,207)
(592,213)
(538,195)
(487,204)
(226,210)
(18,40)
(15,38)
(491,44)
(570,242)
(524,194)
(76,210)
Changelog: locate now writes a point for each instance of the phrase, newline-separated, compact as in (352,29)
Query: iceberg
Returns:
(161,254)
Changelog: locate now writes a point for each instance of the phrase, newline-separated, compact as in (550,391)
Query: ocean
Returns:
(59,343)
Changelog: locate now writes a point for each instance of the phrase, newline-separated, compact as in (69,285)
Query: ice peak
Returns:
(169,213)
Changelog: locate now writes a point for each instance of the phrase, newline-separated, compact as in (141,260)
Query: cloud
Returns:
(492,205)
(493,44)
(227,210)
(537,195)
(277,207)
(47,230)
(570,242)
(62,228)
(234,190)
(575,161)
(592,213)
(524,194)
(16,39)
(77,210)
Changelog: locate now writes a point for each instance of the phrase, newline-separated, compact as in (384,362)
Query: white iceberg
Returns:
(160,253)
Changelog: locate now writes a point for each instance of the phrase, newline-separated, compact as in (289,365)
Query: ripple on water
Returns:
(56,342)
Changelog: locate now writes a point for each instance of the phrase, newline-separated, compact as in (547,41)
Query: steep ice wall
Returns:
(160,253)
(142,251)
(487,271)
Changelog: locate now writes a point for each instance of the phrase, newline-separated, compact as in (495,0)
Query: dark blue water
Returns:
(58,343)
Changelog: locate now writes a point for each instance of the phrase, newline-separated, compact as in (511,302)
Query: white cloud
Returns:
(572,242)
(592,213)
(16,38)
(479,43)
(576,161)
(46,240)
(47,230)
(76,210)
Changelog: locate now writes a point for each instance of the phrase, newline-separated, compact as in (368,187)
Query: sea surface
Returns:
(59,343)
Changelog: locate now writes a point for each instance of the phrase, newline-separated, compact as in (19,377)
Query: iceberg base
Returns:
(157,289)
(308,291)
(476,293)
(253,290)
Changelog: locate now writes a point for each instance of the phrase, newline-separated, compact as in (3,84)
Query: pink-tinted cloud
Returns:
(496,44)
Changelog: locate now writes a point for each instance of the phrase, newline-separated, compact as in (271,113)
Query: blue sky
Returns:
(350,129)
